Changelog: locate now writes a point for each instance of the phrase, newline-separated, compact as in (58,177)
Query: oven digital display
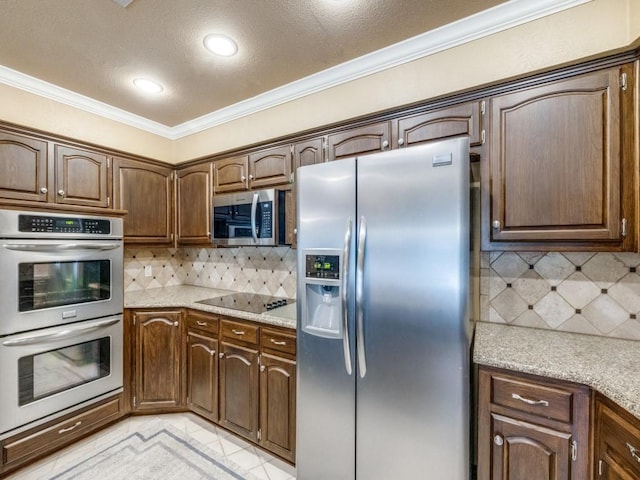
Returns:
(49,224)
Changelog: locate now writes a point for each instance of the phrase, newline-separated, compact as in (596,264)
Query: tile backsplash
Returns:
(267,270)
(586,292)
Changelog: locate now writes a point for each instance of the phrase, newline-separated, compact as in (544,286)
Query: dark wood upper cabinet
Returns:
(270,167)
(193,204)
(359,141)
(532,427)
(558,171)
(81,177)
(309,152)
(145,191)
(231,174)
(23,168)
(158,360)
(455,121)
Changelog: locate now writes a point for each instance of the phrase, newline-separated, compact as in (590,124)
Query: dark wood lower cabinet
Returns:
(26,447)
(202,375)
(532,428)
(239,390)
(278,405)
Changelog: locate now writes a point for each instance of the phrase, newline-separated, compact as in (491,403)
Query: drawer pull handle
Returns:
(528,401)
(275,342)
(238,332)
(68,429)
(634,452)
(202,324)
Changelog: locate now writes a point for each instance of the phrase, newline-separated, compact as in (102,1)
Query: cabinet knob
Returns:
(61,192)
(243,178)
(498,440)
(221,355)
(385,144)
(496,224)
(43,190)
(250,177)
(401,141)
(175,324)
(262,368)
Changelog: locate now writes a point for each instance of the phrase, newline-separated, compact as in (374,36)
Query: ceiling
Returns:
(96,48)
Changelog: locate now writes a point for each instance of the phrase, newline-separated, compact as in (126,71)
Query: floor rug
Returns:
(158,451)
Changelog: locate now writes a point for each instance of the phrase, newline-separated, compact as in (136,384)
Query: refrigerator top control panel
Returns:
(323,266)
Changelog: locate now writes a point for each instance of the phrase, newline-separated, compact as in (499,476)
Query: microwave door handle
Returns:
(60,247)
(65,332)
(254,208)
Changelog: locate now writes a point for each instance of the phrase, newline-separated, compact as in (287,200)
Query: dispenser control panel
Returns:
(323,266)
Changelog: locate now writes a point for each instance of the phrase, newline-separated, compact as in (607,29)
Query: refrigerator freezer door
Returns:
(325,445)
(413,400)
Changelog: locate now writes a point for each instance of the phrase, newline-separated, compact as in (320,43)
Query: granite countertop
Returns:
(608,365)
(188,296)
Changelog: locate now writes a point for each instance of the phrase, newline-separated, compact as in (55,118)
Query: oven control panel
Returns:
(60,224)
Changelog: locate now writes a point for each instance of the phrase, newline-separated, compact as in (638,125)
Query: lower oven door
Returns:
(49,370)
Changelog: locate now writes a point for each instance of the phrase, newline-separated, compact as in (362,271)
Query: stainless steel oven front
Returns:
(58,269)
(55,369)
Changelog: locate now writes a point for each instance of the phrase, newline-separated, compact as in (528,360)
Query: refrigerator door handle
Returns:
(254,207)
(362,239)
(345,297)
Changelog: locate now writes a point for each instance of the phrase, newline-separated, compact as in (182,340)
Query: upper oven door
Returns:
(52,282)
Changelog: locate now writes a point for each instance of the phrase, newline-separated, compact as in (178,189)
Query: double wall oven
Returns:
(61,320)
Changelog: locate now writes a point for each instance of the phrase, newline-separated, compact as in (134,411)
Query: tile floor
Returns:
(258,462)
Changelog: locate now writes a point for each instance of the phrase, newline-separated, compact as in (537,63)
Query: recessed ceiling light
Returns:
(148,85)
(220,45)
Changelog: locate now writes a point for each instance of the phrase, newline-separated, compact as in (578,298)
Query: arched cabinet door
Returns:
(23,168)
(81,177)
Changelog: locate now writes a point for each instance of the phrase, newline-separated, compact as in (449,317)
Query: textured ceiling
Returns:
(96,48)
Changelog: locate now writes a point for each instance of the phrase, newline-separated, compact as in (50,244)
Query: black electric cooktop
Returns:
(247,302)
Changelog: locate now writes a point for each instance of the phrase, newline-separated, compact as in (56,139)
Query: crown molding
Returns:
(474,27)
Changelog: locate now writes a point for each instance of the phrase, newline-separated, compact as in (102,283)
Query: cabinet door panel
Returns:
(528,451)
(308,153)
(270,167)
(359,141)
(193,193)
(158,360)
(146,192)
(81,177)
(556,161)
(231,174)
(239,390)
(23,168)
(278,405)
(202,375)
(439,124)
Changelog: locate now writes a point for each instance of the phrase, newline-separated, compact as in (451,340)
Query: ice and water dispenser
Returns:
(322,311)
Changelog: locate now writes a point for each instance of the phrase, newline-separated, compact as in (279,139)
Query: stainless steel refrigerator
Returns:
(383,316)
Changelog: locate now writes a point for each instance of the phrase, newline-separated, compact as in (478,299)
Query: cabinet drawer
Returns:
(273,340)
(202,321)
(542,400)
(239,331)
(60,433)
(619,439)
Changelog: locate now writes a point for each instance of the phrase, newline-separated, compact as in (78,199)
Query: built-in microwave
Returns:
(250,218)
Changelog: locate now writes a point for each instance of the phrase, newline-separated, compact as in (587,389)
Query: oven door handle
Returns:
(60,247)
(65,332)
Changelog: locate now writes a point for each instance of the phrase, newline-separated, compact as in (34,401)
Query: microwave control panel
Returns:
(266,211)
(49,224)
(323,266)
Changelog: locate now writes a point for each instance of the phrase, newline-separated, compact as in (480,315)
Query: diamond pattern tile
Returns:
(627,292)
(531,287)
(605,314)
(604,269)
(554,267)
(509,305)
(553,309)
(510,266)
(578,290)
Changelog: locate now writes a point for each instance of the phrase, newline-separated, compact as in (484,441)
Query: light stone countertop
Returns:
(187,296)
(608,365)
